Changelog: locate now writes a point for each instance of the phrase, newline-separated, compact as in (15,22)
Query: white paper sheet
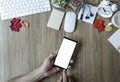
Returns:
(115,40)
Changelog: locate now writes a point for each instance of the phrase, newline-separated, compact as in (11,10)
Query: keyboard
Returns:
(18,8)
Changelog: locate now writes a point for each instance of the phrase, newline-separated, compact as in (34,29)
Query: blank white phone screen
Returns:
(65,53)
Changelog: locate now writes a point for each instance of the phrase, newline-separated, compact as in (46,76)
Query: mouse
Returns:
(70,22)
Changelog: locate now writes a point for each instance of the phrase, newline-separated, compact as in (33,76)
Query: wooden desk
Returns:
(24,51)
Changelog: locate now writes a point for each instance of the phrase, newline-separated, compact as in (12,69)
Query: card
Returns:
(87,10)
(115,40)
(55,19)
(65,53)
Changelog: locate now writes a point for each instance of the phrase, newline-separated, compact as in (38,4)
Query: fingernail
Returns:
(69,67)
(71,61)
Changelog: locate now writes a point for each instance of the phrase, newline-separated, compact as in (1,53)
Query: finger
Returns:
(69,67)
(71,61)
(70,80)
(54,54)
(60,79)
(64,76)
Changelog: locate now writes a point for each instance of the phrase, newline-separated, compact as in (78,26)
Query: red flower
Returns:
(15,24)
(99,25)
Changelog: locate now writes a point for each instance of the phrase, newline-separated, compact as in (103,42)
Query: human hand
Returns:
(64,77)
(48,67)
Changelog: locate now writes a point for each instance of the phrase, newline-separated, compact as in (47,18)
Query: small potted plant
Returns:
(59,3)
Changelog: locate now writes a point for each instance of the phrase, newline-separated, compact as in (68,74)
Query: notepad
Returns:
(115,40)
(55,19)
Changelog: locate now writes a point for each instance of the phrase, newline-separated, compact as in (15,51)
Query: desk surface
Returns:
(22,52)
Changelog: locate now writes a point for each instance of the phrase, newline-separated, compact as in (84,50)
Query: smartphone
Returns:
(65,53)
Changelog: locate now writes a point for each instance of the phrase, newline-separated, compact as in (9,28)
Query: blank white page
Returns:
(65,53)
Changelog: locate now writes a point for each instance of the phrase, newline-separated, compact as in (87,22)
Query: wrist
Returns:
(38,74)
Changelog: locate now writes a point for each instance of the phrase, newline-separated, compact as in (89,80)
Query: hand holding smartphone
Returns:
(65,53)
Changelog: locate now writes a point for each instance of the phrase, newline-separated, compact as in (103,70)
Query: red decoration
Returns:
(99,25)
(15,24)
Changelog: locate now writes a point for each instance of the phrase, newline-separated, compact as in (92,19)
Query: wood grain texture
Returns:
(22,52)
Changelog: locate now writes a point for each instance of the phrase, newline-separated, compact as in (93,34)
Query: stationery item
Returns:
(55,19)
(116,20)
(88,13)
(115,40)
(65,53)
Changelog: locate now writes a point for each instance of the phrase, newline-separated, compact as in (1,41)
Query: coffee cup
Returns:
(116,20)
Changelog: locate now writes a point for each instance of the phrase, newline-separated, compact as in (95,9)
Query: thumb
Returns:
(71,80)
(53,55)
(60,79)
(64,76)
